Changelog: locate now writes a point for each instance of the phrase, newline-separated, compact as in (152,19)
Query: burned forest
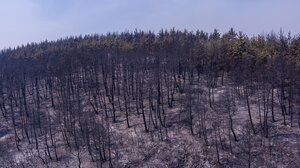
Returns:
(143,99)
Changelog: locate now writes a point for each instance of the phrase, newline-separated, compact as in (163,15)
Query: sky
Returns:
(25,21)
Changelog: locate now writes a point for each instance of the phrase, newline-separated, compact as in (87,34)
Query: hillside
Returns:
(140,99)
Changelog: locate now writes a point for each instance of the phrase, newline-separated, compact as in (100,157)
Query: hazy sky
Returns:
(23,21)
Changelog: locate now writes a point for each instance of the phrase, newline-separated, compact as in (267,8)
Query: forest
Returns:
(175,98)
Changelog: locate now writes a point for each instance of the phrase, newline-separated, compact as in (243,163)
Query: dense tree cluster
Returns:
(71,91)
